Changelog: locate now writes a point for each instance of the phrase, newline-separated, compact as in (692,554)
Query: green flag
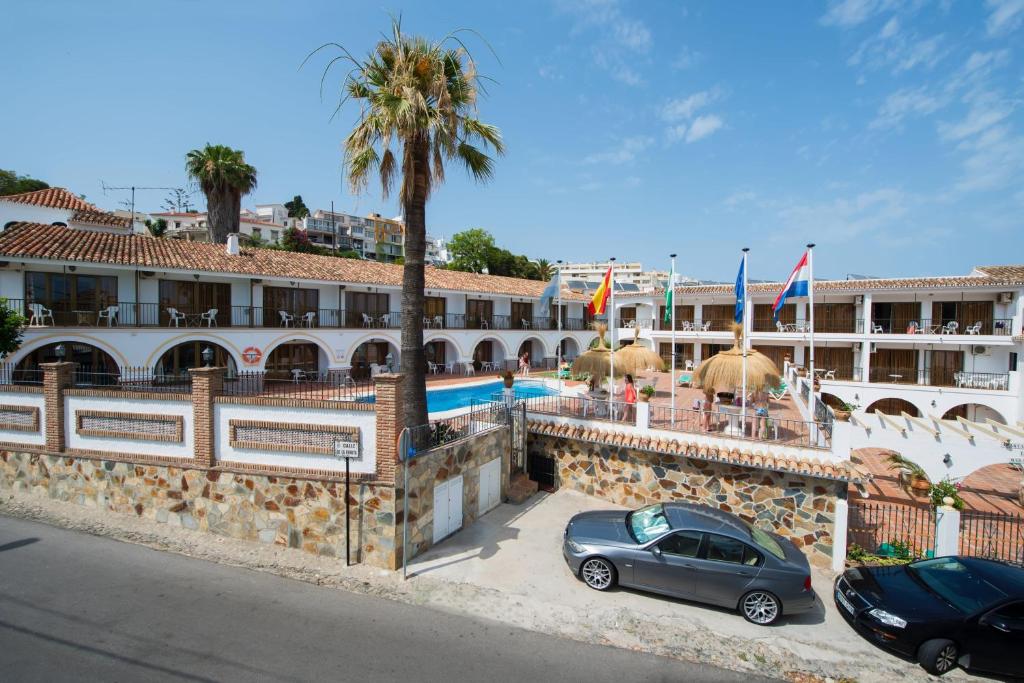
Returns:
(669,295)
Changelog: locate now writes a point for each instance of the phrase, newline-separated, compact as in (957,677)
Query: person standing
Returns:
(630,396)
(524,364)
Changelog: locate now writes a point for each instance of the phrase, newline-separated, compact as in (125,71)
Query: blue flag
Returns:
(740,300)
(549,293)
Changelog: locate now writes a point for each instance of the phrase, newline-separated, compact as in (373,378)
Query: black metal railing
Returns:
(132,379)
(936,377)
(11,374)
(996,536)
(890,529)
(483,416)
(330,385)
(943,326)
(732,423)
(581,407)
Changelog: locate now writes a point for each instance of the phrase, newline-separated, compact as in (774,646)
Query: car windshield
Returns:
(956,583)
(648,523)
(765,540)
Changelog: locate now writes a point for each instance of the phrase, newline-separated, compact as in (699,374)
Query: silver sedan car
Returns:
(693,552)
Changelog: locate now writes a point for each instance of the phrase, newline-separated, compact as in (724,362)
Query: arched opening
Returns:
(894,406)
(176,361)
(975,412)
(441,356)
(373,356)
(569,349)
(288,359)
(834,402)
(90,360)
(534,348)
(489,354)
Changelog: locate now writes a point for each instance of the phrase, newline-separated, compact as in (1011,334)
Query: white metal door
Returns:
(447,507)
(490,485)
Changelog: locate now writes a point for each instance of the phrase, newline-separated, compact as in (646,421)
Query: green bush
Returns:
(943,489)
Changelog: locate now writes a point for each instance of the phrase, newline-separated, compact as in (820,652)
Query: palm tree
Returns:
(544,270)
(418,97)
(223,176)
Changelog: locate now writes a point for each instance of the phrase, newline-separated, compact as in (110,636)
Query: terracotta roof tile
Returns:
(51,197)
(100,218)
(54,242)
(840,471)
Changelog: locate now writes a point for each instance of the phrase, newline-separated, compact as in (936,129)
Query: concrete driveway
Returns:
(516,551)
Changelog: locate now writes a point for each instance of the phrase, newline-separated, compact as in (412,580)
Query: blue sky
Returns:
(890,133)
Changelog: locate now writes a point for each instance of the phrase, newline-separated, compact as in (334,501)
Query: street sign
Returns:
(346,449)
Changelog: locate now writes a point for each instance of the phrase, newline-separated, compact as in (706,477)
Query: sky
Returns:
(888,132)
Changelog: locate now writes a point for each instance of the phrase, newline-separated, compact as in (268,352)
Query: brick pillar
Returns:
(389,424)
(56,378)
(207,383)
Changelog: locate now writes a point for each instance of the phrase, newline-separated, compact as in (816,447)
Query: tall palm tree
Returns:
(417,111)
(544,269)
(223,176)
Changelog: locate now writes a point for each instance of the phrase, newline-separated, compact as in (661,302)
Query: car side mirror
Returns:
(996,623)
(656,550)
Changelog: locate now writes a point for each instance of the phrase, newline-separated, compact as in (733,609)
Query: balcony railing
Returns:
(631,323)
(999,327)
(936,377)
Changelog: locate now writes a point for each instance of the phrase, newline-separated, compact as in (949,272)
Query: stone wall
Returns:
(797,507)
(461,457)
(289,511)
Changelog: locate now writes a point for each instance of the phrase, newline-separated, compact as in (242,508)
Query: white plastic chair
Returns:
(286,318)
(39,315)
(951,327)
(375,369)
(524,323)
(438,321)
(706,327)
(975,328)
(367,320)
(427,321)
(210,318)
(470,370)
(384,320)
(688,365)
(109,314)
(433,367)
(307,319)
(174,317)
(877,329)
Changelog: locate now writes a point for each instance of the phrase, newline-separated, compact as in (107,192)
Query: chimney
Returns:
(232,244)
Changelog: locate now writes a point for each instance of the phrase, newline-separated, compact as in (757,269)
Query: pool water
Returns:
(453,398)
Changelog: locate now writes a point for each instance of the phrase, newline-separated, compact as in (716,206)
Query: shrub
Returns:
(943,489)
(648,390)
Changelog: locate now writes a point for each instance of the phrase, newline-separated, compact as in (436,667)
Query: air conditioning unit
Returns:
(1006,297)
(979,350)
(859,300)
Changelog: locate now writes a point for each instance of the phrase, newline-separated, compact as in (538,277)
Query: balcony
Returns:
(711,325)
(632,323)
(935,377)
(997,327)
(133,314)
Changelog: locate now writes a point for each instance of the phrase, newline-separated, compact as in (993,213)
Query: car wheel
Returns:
(760,607)
(598,573)
(938,656)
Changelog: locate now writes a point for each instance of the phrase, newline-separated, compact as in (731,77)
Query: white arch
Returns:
(220,341)
(384,335)
(494,338)
(39,342)
(288,338)
(439,336)
(548,351)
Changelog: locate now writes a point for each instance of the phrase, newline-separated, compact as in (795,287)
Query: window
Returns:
(725,549)
(682,544)
(71,292)
(194,298)
(648,523)
(274,235)
(257,233)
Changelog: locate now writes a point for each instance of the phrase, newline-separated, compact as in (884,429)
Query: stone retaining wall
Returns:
(461,457)
(298,513)
(797,507)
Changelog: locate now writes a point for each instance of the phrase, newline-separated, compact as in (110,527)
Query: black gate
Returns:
(517,429)
(542,471)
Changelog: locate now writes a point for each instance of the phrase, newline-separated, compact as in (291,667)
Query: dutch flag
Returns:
(797,285)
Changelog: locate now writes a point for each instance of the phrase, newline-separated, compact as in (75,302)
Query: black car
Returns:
(941,612)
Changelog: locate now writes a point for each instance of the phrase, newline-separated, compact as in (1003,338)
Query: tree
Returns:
(224,177)
(349,253)
(544,269)
(471,250)
(178,201)
(157,228)
(11,325)
(293,239)
(12,183)
(297,208)
(419,97)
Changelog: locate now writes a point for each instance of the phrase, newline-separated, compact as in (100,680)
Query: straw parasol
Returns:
(724,370)
(636,358)
(597,362)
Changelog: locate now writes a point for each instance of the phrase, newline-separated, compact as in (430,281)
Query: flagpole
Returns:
(614,322)
(558,366)
(672,369)
(810,299)
(743,341)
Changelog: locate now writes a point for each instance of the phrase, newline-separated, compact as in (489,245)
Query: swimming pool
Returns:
(453,398)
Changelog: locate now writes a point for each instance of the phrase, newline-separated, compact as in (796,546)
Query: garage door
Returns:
(490,485)
(447,507)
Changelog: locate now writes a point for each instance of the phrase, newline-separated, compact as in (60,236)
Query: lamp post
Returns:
(207,355)
(60,352)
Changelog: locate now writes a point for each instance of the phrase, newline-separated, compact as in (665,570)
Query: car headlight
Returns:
(574,546)
(888,619)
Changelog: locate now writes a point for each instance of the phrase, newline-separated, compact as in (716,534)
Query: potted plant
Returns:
(844,411)
(508,378)
(946,489)
(646,392)
(912,476)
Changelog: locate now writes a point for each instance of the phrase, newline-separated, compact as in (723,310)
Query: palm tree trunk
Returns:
(222,209)
(413,363)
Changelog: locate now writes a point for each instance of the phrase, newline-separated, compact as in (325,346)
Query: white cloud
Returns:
(626,151)
(847,217)
(682,108)
(619,40)
(738,198)
(687,59)
(549,72)
(847,13)
(984,113)
(1006,16)
(903,103)
(702,127)
(898,50)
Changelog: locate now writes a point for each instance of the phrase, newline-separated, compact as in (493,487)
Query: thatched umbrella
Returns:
(724,370)
(636,358)
(597,362)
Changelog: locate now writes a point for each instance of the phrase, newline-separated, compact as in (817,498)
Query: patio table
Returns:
(84,318)
(929,329)
(895,378)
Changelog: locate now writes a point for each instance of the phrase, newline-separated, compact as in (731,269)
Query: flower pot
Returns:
(644,398)
(842,415)
(508,382)
(920,484)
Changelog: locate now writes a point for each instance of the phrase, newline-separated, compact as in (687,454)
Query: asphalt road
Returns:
(84,608)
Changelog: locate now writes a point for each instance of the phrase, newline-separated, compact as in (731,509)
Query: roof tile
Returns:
(51,197)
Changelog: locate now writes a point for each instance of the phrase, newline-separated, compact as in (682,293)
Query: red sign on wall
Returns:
(251,355)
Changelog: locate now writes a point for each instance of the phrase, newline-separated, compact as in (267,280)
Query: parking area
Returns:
(516,550)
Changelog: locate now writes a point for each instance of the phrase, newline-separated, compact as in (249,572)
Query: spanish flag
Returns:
(596,305)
